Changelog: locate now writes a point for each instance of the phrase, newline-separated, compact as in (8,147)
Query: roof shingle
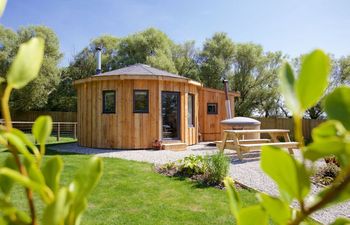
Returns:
(141,69)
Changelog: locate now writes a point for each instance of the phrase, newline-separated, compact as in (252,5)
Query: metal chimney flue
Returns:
(227,100)
(99,55)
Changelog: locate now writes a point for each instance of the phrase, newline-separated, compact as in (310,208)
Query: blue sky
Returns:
(294,26)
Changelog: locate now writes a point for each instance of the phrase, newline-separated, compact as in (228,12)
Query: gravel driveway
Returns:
(246,172)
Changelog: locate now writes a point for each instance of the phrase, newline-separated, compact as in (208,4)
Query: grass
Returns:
(132,193)
(52,140)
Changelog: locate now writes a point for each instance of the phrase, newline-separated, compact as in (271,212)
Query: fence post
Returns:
(75,131)
(58,131)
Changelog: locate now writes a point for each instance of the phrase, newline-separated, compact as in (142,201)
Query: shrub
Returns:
(326,174)
(332,159)
(217,167)
(192,165)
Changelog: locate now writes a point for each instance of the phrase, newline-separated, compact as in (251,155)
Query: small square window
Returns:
(212,108)
(108,101)
(141,101)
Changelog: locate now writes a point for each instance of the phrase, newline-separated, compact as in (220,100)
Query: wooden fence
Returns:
(287,123)
(56,116)
(266,123)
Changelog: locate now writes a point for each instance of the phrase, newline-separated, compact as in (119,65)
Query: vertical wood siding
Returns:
(126,129)
(209,124)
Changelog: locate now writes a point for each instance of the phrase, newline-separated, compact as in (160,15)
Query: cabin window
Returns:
(108,101)
(190,112)
(212,108)
(141,101)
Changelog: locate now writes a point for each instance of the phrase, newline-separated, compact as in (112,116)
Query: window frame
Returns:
(134,101)
(193,122)
(104,102)
(216,106)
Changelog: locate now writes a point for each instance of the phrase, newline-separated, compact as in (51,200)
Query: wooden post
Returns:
(75,130)
(58,131)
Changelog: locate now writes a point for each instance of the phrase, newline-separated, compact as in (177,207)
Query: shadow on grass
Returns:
(54,152)
(197,184)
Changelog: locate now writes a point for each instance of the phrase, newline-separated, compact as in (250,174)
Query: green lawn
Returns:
(50,141)
(53,139)
(132,193)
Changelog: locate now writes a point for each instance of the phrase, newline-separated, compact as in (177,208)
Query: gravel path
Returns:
(247,171)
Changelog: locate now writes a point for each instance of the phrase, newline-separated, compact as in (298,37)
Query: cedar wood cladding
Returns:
(128,130)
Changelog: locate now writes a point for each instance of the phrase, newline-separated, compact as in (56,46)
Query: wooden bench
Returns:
(231,145)
(248,147)
(234,140)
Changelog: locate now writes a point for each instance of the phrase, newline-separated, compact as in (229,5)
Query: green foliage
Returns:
(272,204)
(35,94)
(290,175)
(151,47)
(337,105)
(293,176)
(216,60)
(62,205)
(299,92)
(22,70)
(191,165)
(185,57)
(255,77)
(42,128)
(216,168)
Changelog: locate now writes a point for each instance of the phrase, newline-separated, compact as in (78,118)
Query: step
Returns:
(174,146)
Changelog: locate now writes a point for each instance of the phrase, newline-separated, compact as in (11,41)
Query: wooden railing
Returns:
(59,129)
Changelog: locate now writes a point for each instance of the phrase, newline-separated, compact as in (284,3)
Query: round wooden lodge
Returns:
(138,107)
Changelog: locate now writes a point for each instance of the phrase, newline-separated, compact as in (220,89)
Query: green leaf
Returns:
(234,200)
(87,177)
(26,141)
(27,63)
(337,105)
(52,172)
(315,69)
(23,180)
(85,180)
(42,129)
(278,210)
(6,183)
(290,175)
(252,215)
(56,212)
(6,207)
(2,6)
(329,140)
(35,174)
(341,221)
(287,81)
(328,129)
(19,146)
(28,183)
(321,149)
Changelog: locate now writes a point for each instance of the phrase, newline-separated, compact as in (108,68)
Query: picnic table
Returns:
(235,140)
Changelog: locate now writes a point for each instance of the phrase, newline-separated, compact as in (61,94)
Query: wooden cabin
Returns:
(135,106)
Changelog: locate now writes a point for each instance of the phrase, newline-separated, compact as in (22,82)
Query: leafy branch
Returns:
(329,139)
(62,205)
